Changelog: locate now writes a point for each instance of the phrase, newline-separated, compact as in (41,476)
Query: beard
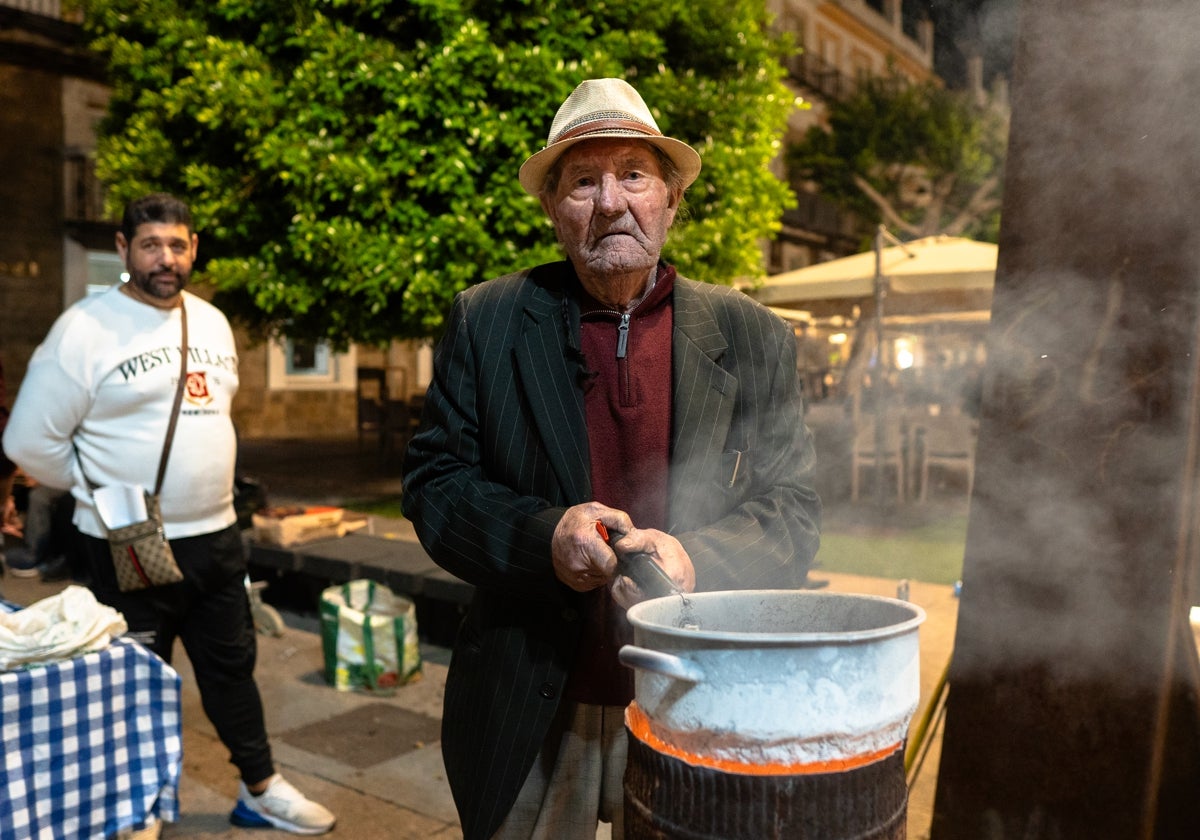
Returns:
(164,284)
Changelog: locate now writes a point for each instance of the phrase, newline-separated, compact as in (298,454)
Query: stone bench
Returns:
(399,564)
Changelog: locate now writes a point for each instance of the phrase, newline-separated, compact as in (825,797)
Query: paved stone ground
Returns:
(404,795)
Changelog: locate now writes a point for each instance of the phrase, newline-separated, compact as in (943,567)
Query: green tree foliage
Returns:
(353,163)
(922,159)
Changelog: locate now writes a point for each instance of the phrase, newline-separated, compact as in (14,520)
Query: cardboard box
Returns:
(288,527)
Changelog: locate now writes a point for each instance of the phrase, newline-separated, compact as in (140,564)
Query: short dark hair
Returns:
(156,207)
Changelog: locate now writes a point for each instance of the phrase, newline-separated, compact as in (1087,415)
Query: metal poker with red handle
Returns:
(640,567)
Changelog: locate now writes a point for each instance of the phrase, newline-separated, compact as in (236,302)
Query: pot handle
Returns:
(657,662)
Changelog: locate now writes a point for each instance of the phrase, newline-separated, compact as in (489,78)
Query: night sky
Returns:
(965,26)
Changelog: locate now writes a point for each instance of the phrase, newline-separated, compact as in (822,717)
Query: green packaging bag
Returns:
(369,637)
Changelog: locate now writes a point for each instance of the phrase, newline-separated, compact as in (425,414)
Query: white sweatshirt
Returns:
(105,377)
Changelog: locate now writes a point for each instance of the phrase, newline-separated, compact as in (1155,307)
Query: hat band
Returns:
(606,125)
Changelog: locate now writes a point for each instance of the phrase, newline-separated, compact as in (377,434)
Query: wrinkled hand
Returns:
(665,550)
(582,559)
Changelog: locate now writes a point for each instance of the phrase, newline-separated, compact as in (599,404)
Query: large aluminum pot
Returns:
(781,677)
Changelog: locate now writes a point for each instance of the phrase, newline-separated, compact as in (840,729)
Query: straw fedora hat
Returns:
(604,108)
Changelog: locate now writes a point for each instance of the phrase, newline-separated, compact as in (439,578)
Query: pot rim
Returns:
(779,639)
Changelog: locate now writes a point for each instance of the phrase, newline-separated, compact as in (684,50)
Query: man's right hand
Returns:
(582,559)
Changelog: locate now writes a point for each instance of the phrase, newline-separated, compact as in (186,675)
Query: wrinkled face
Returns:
(159,260)
(611,210)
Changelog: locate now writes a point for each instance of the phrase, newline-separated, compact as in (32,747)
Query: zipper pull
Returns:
(623,335)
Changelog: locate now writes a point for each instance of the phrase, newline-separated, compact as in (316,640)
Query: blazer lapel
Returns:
(704,395)
(548,377)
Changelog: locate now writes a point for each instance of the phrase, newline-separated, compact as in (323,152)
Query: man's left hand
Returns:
(663,549)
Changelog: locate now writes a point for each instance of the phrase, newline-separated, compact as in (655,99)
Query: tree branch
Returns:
(885,207)
(982,201)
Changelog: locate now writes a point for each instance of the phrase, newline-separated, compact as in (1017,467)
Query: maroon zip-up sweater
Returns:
(628,406)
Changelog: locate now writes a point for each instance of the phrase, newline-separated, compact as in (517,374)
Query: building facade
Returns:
(51,94)
(838,43)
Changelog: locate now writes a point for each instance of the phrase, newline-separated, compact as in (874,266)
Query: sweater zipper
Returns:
(623,385)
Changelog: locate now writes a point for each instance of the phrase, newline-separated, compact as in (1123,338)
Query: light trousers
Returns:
(577,780)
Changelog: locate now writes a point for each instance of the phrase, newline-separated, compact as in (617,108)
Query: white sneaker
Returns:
(280,806)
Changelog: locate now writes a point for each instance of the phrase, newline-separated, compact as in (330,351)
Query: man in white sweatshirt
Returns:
(93,410)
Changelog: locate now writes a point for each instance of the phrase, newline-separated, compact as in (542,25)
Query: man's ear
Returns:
(122,245)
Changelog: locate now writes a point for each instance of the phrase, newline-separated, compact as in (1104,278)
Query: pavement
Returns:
(375,760)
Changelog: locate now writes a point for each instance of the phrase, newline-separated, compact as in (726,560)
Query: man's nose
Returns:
(610,196)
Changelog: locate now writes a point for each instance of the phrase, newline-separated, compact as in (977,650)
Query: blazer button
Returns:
(547,690)
(570,615)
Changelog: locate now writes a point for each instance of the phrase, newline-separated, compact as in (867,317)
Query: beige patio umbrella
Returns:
(933,274)
(933,277)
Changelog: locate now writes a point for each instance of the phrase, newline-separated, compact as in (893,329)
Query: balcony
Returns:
(45,8)
(819,215)
(819,76)
(41,35)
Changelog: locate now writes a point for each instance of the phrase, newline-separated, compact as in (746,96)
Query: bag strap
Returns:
(162,461)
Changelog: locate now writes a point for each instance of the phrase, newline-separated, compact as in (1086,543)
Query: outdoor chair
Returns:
(371,394)
(947,442)
(400,423)
(863,453)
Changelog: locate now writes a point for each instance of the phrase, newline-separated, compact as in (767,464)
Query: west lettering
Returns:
(145,362)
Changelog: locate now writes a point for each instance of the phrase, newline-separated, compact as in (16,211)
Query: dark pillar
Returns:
(1072,709)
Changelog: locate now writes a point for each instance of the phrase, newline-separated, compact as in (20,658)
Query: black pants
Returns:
(209,611)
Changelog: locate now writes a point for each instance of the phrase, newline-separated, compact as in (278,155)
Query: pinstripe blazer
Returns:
(503,451)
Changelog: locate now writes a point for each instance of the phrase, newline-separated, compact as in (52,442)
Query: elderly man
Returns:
(602,389)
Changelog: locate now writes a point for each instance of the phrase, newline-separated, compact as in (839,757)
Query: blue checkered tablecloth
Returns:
(90,746)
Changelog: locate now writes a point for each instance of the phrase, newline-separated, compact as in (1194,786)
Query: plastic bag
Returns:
(369,637)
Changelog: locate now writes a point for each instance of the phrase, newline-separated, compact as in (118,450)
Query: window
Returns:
(104,270)
(306,364)
(307,358)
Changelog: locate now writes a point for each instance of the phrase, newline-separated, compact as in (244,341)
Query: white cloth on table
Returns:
(62,626)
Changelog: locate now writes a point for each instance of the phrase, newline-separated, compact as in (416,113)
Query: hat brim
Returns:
(533,171)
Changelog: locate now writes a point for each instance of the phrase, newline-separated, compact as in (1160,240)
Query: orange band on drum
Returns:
(639,727)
